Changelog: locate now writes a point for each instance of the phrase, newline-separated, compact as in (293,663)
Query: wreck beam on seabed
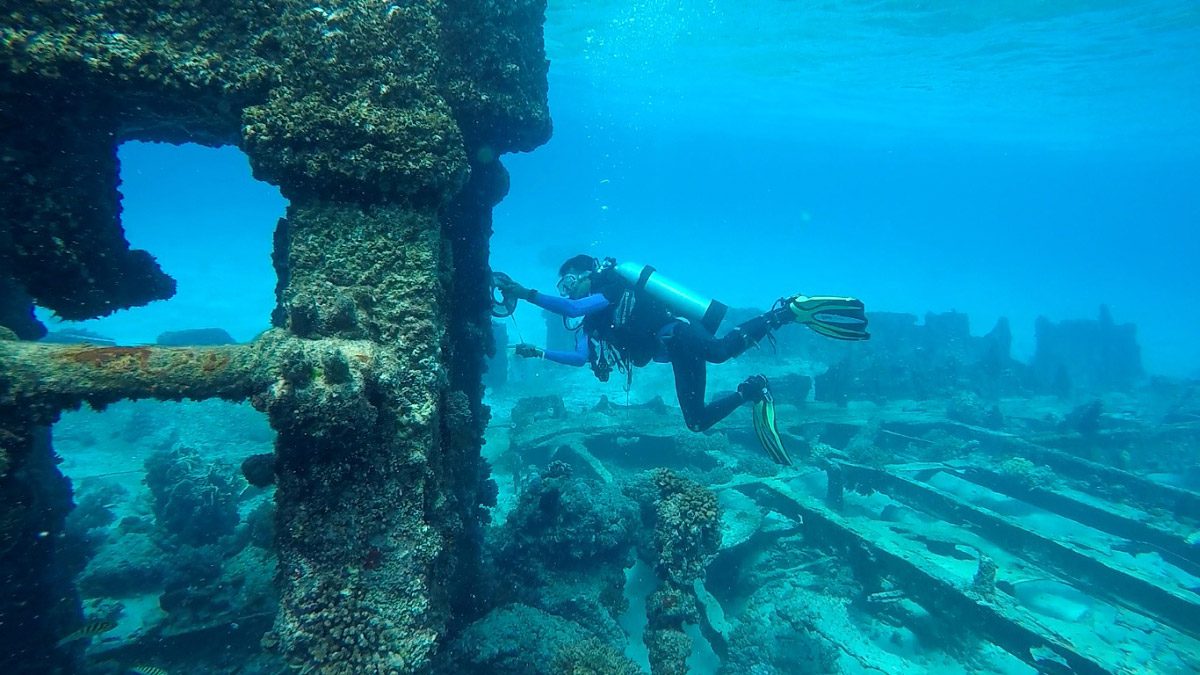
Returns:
(1122,584)
(1125,486)
(998,620)
(1117,519)
(1116,484)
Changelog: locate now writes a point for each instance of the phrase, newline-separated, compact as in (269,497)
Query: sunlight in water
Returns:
(1069,71)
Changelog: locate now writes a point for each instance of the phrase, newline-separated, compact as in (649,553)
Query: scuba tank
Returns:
(680,301)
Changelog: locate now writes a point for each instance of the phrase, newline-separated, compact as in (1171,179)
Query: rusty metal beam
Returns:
(64,376)
(52,377)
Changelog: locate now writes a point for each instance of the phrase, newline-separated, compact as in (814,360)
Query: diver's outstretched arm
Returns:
(562,306)
(566,306)
(578,357)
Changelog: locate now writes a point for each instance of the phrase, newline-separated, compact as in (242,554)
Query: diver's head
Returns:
(575,276)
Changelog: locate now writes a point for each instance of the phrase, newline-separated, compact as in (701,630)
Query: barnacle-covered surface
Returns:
(491,73)
(368,115)
(78,79)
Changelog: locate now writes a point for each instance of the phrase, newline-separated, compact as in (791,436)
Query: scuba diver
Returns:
(632,315)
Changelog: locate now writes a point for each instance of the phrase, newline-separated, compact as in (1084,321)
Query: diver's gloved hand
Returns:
(529,351)
(507,286)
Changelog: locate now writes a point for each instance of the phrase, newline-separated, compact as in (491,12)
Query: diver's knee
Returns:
(719,357)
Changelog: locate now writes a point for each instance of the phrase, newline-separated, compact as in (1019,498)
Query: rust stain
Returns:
(118,359)
(211,362)
(130,360)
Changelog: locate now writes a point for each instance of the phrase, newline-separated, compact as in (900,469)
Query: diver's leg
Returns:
(720,408)
(690,378)
(835,317)
(687,353)
(737,341)
(690,391)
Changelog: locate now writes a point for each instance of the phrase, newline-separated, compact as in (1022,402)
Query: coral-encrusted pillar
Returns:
(356,538)
(367,151)
(380,473)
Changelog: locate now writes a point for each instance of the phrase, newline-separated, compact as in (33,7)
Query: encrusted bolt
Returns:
(337,368)
(984,583)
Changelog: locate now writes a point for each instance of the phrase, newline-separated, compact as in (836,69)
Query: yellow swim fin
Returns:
(835,317)
(763,416)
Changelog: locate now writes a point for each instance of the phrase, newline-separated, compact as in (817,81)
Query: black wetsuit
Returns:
(628,328)
(690,349)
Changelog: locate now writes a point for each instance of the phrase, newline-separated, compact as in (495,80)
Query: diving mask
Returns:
(568,283)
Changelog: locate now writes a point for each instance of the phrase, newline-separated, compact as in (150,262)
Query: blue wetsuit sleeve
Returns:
(575,358)
(570,308)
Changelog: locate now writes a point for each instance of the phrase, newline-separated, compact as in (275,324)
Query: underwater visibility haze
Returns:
(666,336)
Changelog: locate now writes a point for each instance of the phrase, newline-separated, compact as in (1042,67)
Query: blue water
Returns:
(1003,159)
(209,224)
(1010,160)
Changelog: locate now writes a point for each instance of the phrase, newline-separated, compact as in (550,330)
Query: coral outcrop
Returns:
(564,550)
(195,499)
(521,640)
(687,527)
(563,522)
(135,566)
(382,123)
(685,518)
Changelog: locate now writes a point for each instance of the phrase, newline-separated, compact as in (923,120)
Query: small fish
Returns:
(885,596)
(148,670)
(89,629)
